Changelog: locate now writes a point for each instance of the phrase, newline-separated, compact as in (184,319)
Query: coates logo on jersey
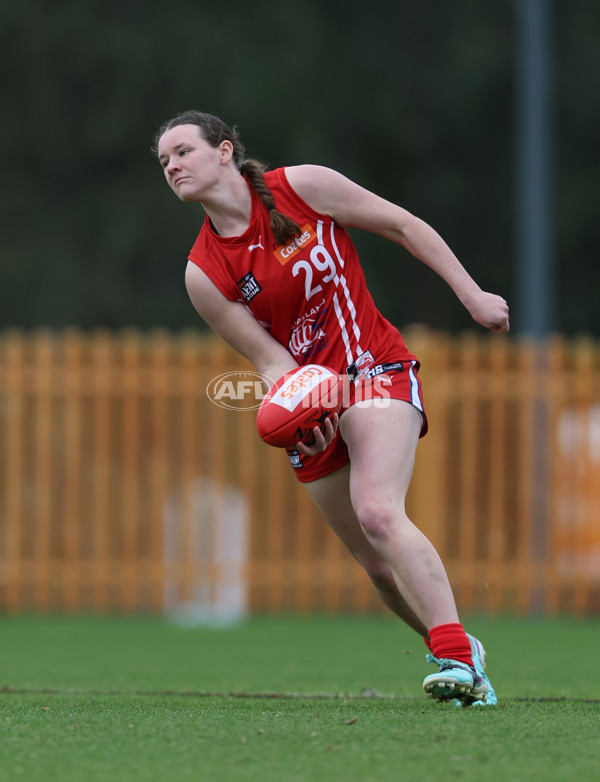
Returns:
(285,253)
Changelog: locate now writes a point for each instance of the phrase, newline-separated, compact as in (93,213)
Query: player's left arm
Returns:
(352,206)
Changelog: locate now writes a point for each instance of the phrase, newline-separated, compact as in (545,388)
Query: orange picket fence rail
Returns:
(123,488)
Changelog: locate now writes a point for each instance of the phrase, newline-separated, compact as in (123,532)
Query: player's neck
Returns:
(230,207)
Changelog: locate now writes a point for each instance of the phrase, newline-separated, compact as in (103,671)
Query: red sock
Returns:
(428,643)
(450,641)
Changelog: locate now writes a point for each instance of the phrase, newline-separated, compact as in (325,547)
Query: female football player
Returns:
(274,272)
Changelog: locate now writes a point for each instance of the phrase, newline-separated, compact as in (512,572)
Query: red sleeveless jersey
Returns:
(310,293)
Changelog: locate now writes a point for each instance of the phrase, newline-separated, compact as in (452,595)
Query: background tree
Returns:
(413,100)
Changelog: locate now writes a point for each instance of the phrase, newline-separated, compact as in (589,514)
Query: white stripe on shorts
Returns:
(414,388)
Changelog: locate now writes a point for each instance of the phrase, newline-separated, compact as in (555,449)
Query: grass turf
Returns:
(325,699)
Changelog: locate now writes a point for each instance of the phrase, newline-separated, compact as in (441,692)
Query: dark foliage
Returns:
(413,100)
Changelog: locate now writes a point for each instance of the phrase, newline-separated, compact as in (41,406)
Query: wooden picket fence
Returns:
(123,488)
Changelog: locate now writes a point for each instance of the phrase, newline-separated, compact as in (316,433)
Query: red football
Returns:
(296,403)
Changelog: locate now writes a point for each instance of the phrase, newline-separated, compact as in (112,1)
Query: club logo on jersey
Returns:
(308,334)
(249,287)
(285,253)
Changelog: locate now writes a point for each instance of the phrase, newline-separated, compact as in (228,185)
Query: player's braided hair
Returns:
(215,131)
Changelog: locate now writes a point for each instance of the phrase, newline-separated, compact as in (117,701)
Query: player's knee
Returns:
(377,519)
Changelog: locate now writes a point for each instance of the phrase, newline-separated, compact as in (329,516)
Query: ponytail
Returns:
(283,227)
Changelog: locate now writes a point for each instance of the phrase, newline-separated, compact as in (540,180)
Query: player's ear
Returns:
(226,151)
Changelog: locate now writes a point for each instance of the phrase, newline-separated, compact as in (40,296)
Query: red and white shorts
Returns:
(393,380)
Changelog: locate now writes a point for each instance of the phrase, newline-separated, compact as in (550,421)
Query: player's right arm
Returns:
(237,326)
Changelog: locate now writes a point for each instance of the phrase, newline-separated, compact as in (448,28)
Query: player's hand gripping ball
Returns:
(300,400)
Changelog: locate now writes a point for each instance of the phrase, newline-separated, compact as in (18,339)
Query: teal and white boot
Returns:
(478,655)
(455,680)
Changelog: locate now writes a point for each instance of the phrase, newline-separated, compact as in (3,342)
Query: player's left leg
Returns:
(331,495)
(382,442)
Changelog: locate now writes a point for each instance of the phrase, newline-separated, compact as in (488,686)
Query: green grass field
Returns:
(289,700)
